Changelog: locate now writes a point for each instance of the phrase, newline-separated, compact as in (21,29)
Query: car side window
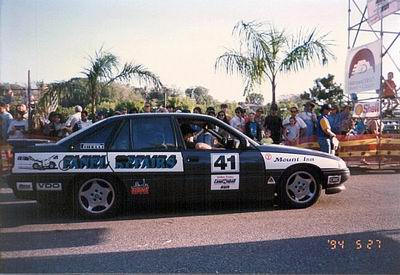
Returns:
(201,134)
(122,140)
(153,134)
(97,140)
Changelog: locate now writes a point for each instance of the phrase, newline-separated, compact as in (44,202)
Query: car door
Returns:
(227,173)
(149,162)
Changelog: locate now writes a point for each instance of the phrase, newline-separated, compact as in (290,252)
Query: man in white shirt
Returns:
(310,118)
(238,121)
(83,123)
(294,113)
(18,126)
(73,119)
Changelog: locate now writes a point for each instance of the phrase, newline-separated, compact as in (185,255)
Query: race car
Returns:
(169,157)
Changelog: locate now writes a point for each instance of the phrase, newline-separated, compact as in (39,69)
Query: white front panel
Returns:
(283,160)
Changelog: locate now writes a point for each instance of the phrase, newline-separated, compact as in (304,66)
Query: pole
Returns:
(29,102)
(348,26)
(380,99)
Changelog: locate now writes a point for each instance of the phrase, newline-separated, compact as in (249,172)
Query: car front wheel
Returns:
(97,198)
(300,187)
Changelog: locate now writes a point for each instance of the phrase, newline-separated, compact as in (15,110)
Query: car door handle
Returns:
(192,159)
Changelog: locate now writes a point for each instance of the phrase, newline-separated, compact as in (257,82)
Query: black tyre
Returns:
(97,198)
(300,187)
(35,166)
(52,165)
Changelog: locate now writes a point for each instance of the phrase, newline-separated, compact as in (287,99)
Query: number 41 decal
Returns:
(228,162)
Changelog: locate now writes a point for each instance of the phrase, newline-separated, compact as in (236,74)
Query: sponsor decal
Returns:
(284,160)
(268,156)
(48,186)
(145,161)
(225,182)
(225,162)
(84,162)
(98,162)
(140,187)
(334,179)
(271,180)
(24,186)
(294,159)
(92,146)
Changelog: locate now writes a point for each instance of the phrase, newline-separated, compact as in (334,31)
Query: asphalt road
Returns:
(356,231)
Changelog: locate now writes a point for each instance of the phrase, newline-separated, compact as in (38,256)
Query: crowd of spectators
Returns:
(270,129)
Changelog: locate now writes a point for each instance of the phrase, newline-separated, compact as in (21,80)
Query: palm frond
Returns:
(139,72)
(305,49)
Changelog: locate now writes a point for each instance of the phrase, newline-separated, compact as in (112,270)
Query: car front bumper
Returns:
(333,180)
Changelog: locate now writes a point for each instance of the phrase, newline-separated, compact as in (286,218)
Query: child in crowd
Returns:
(266,137)
(292,132)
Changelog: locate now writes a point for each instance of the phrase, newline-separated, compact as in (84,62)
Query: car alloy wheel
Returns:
(97,197)
(300,187)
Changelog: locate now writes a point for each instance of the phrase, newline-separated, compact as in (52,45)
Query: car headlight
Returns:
(342,164)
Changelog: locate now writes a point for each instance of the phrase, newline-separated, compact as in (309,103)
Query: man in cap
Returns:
(294,113)
(324,133)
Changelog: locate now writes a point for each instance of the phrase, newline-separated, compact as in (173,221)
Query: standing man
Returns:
(274,123)
(324,132)
(83,123)
(294,113)
(5,120)
(73,119)
(252,128)
(147,107)
(310,118)
(224,107)
(238,121)
(259,117)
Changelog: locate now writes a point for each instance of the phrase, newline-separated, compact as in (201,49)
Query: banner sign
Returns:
(366,110)
(363,68)
(377,9)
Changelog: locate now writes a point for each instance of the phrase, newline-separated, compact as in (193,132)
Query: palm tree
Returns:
(104,70)
(266,53)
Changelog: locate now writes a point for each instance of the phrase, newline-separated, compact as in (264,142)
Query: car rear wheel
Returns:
(300,187)
(97,198)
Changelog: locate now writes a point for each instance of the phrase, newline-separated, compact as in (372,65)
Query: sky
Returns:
(179,40)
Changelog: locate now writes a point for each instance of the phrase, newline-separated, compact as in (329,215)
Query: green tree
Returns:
(200,94)
(325,90)
(264,54)
(255,98)
(104,69)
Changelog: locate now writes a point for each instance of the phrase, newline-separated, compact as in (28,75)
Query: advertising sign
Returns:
(363,68)
(377,9)
(366,110)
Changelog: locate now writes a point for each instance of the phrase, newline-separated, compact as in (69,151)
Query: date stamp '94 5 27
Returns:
(355,244)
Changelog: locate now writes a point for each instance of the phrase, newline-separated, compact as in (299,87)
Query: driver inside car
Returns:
(188,135)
